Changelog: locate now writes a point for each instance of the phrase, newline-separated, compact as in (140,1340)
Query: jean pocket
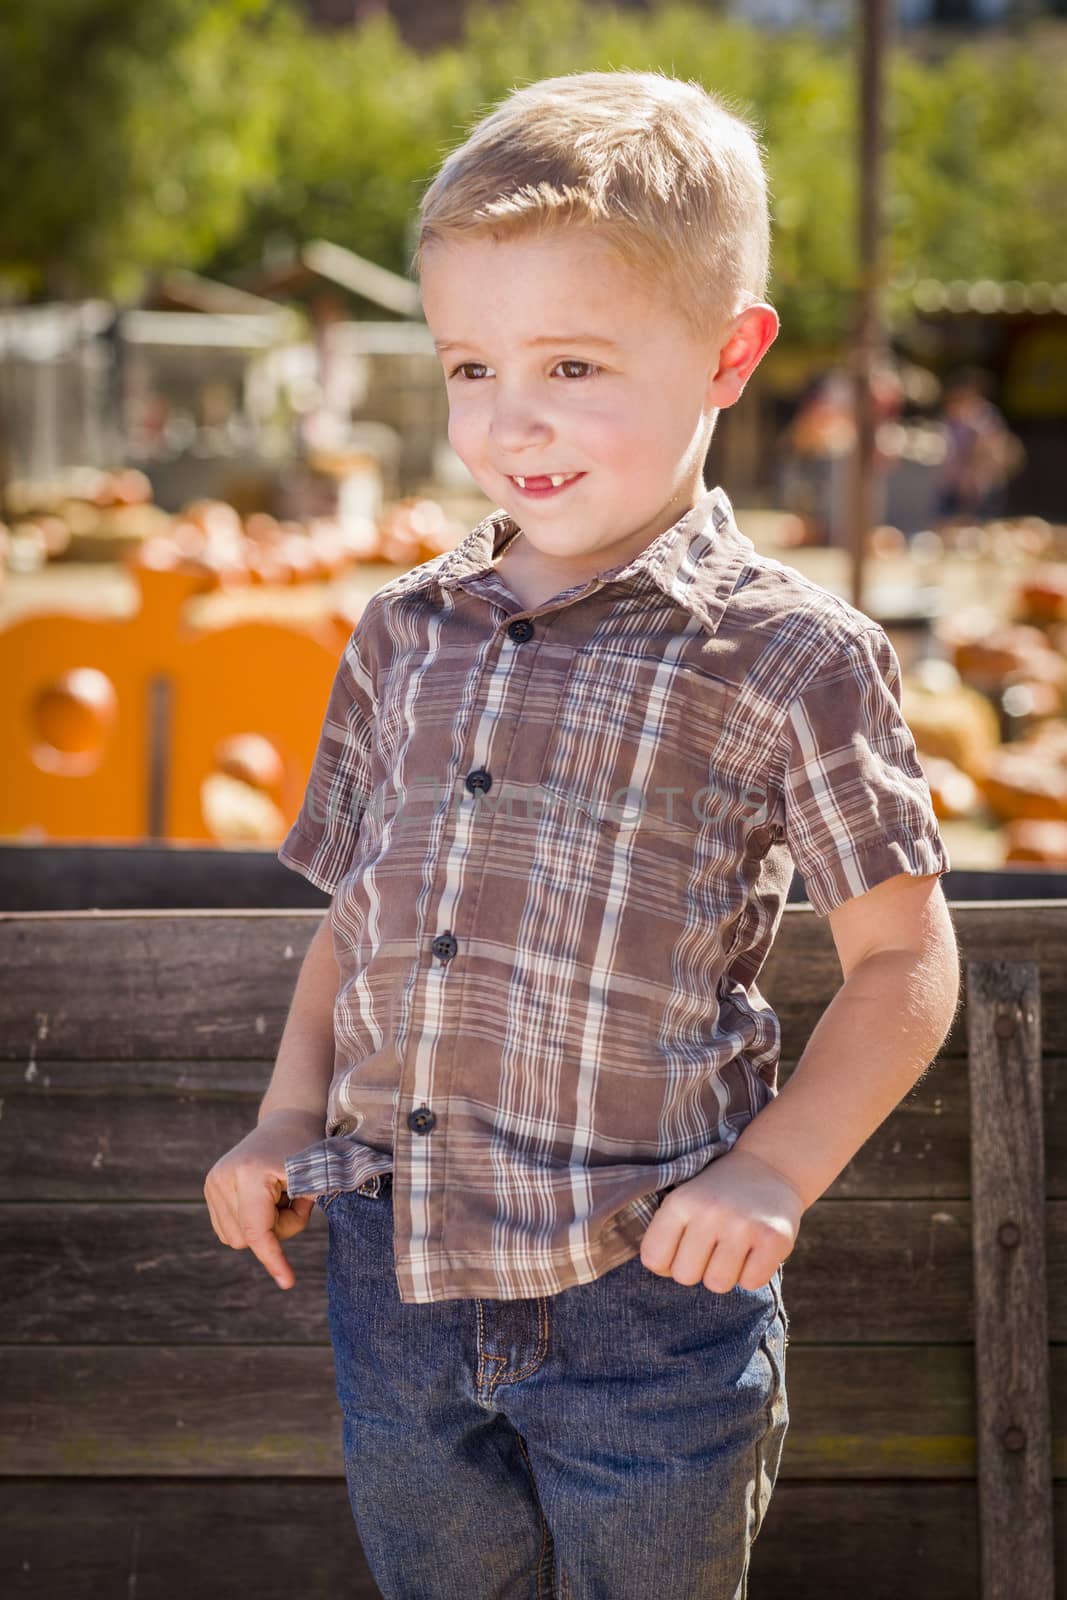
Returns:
(325,1201)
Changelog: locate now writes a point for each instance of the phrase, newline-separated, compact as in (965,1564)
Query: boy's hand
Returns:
(244,1189)
(732,1225)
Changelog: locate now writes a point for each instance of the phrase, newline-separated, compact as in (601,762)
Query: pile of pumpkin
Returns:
(990,719)
(109,516)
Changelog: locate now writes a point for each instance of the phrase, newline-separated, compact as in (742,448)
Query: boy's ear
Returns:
(747,340)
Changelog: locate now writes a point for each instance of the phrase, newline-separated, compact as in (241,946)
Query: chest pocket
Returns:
(633,744)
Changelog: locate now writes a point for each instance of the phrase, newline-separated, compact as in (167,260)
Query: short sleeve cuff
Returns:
(305,855)
(853,874)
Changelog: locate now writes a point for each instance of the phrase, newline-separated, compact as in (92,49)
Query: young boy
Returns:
(563,777)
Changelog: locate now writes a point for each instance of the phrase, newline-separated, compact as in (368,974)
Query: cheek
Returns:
(670,428)
(612,435)
(464,431)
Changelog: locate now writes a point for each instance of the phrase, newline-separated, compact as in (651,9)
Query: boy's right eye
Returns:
(470,369)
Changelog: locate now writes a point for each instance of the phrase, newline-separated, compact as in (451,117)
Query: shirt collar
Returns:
(696,561)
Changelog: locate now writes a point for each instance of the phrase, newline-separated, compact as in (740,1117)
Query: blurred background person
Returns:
(981,453)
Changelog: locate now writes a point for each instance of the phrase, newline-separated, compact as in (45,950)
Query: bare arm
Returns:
(303,1070)
(244,1188)
(875,1039)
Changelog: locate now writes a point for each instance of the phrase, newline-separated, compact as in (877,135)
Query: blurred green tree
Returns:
(133,135)
(979,163)
(201,132)
(361,129)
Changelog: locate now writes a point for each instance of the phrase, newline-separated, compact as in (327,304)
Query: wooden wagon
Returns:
(169,1420)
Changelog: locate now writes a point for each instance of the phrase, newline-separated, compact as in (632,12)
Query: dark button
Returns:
(480,780)
(520,631)
(422,1120)
(445,947)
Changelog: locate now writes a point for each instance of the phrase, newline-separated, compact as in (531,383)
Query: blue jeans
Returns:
(617,1441)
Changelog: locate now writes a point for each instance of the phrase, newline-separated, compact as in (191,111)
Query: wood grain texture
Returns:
(865,1271)
(857,1411)
(90,1130)
(216,985)
(147,877)
(140,1539)
(295,1540)
(162,1397)
(151,877)
(1011,1331)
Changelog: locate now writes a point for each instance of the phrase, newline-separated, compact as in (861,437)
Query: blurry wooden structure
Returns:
(870,337)
(57,387)
(93,382)
(169,1414)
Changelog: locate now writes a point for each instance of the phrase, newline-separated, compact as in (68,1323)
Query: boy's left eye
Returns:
(576,369)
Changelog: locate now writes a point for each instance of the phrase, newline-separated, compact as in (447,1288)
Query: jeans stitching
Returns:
(540,1352)
(500,1376)
(759,1448)
(484,1356)
(546,1535)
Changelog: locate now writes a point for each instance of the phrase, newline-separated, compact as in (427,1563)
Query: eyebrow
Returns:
(558,339)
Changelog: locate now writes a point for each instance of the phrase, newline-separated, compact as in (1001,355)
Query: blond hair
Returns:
(666,171)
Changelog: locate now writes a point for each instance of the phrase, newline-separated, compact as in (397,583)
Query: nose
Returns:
(518,421)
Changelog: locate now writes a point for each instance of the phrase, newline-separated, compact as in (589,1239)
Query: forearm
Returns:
(300,1083)
(874,1040)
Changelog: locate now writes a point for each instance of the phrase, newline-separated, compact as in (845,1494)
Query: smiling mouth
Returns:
(545,480)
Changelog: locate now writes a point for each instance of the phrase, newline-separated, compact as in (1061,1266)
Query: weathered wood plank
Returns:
(857,1411)
(881,1541)
(217,985)
(151,877)
(160,1539)
(146,1274)
(802,972)
(1011,1308)
(159,1411)
(868,1271)
(147,877)
(88,1130)
(152,986)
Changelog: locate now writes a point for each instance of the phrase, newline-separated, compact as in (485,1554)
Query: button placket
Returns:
(423,1120)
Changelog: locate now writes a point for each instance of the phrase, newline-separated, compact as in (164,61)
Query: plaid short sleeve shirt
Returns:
(558,844)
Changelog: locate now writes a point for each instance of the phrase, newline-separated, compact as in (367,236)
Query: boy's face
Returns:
(579,401)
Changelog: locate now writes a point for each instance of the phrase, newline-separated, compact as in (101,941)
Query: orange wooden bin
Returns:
(110,727)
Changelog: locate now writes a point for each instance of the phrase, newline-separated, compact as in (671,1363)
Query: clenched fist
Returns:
(731,1226)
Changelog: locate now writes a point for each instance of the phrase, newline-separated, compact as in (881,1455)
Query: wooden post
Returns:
(1011,1303)
(160,733)
(869,335)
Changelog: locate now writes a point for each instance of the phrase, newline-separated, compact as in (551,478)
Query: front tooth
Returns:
(520,481)
(557,479)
